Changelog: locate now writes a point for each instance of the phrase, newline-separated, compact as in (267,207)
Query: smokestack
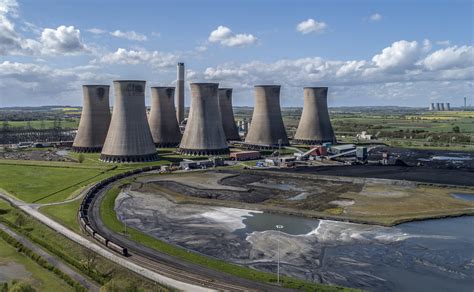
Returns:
(438,106)
(267,129)
(180,93)
(163,124)
(95,119)
(315,125)
(442,107)
(129,138)
(432,106)
(227,114)
(448,106)
(204,133)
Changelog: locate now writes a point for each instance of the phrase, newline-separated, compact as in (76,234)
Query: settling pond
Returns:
(430,255)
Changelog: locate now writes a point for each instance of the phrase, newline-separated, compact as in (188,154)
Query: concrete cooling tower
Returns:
(95,119)
(315,125)
(204,134)
(266,130)
(227,114)
(442,107)
(163,124)
(129,138)
(438,106)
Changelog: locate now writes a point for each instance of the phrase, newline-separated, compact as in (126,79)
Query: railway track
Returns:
(154,260)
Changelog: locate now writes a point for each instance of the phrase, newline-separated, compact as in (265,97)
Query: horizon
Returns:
(370,53)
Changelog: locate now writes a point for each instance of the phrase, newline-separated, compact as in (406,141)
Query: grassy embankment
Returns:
(109,218)
(98,269)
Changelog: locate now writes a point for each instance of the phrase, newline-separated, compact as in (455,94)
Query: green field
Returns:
(109,218)
(45,124)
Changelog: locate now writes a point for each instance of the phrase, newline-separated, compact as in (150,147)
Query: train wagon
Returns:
(117,248)
(89,229)
(100,238)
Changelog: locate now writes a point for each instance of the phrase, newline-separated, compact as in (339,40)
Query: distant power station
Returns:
(129,138)
(227,114)
(204,133)
(163,123)
(315,125)
(267,129)
(440,106)
(95,119)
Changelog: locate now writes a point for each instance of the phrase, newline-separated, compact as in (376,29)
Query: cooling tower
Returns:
(227,114)
(438,106)
(442,107)
(95,119)
(315,125)
(204,133)
(129,138)
(432,107)
(267,129)
(448,106)
(163,124)
(180,93)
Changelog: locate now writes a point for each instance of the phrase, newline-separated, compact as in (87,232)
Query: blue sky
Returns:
(367,52)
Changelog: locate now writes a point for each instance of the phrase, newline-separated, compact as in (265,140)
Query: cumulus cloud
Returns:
(449,58)
(311,25)
(62,40)
(375,17)
(129,35)
(226,37)
(133,57)
(398,57)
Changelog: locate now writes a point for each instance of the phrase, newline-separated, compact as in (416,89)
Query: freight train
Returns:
(86,202)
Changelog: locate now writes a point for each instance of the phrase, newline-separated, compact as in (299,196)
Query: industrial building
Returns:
(204,133)
(163,124)
(129,138)
(266,130)
(227,114)
(315,125)
(245,155)
(180,93)
(95,119)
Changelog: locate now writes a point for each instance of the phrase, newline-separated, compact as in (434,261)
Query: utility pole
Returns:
(279,227)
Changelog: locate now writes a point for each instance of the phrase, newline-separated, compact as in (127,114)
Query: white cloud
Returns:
(311,25)
(451,57)
(62,40)
(133,57)
(129,35)
(443,43)
(226,37)
(375,17)
(95,30)
(398,57)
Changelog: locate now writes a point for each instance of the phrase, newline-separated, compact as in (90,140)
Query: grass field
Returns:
(40,278)
(45,124)
(109,218)
(65,214)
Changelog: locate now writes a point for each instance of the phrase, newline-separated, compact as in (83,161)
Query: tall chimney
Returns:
(204,133)
(227,114)
(129,138)
(163,124)
(180,93)
(267,129)
(95,119)
(315,125)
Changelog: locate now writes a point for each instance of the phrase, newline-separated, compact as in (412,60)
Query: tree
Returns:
(456,129)
(81,158)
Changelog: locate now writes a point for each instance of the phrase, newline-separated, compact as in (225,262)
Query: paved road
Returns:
(53,260)
(147,273)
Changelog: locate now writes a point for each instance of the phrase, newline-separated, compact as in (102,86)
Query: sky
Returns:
(405,53)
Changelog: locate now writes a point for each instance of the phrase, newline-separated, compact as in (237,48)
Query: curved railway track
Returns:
(152,259)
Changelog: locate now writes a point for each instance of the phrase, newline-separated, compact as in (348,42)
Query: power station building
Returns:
(227,114)
(162,120)
(266,130)
(129,138)
(95,119)
(315,125)
(204,133)
(180,93)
